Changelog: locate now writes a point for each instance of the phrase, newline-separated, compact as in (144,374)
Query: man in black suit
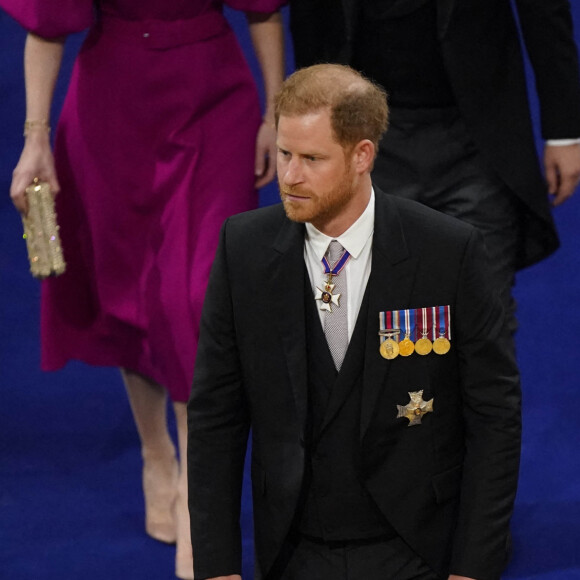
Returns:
(356,334)
(460,138)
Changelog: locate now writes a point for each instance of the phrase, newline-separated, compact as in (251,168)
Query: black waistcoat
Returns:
(336,505)
(397,46)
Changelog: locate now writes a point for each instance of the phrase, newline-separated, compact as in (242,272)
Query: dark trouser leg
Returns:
(427,156)
(380,560)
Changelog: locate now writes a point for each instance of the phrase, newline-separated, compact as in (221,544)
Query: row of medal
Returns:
(420,330)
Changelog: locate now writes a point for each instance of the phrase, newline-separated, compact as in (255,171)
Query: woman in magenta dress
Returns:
(159,140)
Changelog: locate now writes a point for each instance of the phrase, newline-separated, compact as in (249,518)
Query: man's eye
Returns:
(311,158)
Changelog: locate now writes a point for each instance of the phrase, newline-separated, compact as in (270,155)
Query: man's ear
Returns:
(363,156)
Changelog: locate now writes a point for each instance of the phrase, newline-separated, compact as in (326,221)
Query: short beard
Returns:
(326,207)
(292,210)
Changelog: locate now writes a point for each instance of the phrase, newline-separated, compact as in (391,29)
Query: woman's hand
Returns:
(42,58)
(265,167)
(36,160)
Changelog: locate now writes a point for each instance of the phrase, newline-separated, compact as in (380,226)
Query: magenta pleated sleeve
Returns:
(51,18)
(154,150)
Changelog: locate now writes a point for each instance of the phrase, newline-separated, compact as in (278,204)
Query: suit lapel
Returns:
(390,287)
(287,290)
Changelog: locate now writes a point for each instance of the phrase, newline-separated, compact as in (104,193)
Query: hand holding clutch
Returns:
(41,232)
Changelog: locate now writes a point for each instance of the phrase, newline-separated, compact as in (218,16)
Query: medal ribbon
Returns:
(338,267)
(433,326)
(396,324)
(422,322)
(445,321)
(423,327)
(382,326)
(408,320)
(418,319)
(428,328)
(386,324)
(402,322)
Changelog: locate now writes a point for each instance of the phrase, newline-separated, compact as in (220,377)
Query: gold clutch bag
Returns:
(41,232)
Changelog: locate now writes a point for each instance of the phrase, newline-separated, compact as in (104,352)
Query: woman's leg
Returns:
(184,555)
(160,470)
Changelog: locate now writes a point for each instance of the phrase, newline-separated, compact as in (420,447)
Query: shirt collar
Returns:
(353,240)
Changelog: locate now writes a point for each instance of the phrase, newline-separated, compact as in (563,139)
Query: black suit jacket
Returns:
(481,50)
(447,485)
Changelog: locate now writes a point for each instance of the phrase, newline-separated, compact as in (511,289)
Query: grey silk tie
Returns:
(336,322)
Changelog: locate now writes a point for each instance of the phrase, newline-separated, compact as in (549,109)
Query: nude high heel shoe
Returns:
(148,402)
(160,476)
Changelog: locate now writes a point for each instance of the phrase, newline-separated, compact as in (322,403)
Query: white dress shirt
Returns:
(357,241)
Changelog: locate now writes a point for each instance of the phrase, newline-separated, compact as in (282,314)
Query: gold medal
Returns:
(423,346)
(441,345)
(406,347)
(389,349)
(442,320)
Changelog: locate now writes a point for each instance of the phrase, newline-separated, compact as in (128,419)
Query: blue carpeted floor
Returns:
(70,499)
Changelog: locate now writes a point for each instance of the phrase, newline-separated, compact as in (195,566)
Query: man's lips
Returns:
(295,196)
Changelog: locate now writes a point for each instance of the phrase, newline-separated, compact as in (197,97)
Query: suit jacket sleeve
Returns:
(218,424)
(491,408)
(548,35)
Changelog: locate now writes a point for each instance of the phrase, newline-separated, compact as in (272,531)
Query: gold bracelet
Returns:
(28,125)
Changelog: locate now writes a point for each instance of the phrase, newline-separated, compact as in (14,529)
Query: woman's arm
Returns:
(268,40)
(42,59)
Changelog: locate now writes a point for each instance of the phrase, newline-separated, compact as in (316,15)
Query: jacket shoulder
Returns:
(417,218)
(263,222)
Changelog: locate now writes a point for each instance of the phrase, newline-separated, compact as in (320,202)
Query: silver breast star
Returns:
(415,408)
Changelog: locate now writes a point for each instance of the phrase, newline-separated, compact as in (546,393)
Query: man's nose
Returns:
(293,173)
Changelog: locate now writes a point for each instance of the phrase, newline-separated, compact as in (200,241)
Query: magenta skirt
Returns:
(154,149)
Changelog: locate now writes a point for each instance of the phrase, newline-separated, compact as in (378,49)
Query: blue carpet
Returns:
(70,496)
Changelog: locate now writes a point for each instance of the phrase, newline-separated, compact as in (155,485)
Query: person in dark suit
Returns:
(460,138)
(356,334)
